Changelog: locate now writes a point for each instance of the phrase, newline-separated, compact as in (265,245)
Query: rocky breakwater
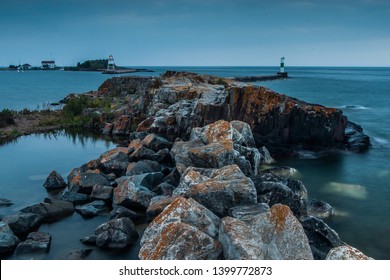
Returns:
(176,102)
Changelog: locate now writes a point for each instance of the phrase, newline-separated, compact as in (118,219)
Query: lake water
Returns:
(356,185)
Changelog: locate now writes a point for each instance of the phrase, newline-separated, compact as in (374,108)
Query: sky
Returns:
(196,33)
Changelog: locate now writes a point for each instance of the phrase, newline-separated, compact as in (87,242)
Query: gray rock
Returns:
(137,135)
(54,181)
(120,212)
(273,235)
(319,209)
(218,189)
(118,233)
(8,241)
(129,195)
(265,155)
(22,224)
(114,161)
(156,143)
(184,230)
(166,188)
(346,252)
(141,167)
(75,198)
(92,209)
(5,202)
(179,153)
(321,237)
(157,205)
(36,242)
(245,212)
(89,240)
(283,171)
(51,209)
(102,193)
(142,153)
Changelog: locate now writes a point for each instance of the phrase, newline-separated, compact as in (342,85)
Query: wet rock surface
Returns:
(54,181)
(36,242)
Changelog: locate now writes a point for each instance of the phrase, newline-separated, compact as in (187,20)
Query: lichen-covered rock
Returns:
(346,252)
(8,241)
(22,224)
(156,142)
(146,180)
(246,212)
(74,197)
(157,205)
(129,195)
(122,125)
(184,230)
(36,242)
(54,181)
(273,235)
(92,209)
(217,189)
(102,192)
(50,209)
(141,167)
(117,233)
(321,237)
(114,161)
(84,182)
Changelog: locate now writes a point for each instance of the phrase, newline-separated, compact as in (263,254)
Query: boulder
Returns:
(157,205)
(50,209)
(282,171)
(156,143)
(74,197)
(89,240)
(117,233)
(166,188)
(8,241)
(217,189)
(273,189)
(141,167)
(246,212)
(5,202)
(129,195)
(184,230)
(92,209)
(356,140)
(85,182)
(114,161)
(122,125)
(346,252)
(22,224)
(54,181)
(319,209)
(120,212)
(102,193)
(147,180)
(272,235)
(36,242)
(321,237)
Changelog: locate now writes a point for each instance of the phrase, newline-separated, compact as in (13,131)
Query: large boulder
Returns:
(156,142)
(117,233)
(217,189)
(83,182)
(114,161)
(74,197)
(36,242)
(273,235)
(346,252)
(157,205)
(102,192)
(129,195)
(50,209)
(320,209)
(246,212)
(184,230)
(8,241)
(141,167)
(22,224)
(54,181)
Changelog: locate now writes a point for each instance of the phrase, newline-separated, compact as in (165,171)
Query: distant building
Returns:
(26,66)
(48,64)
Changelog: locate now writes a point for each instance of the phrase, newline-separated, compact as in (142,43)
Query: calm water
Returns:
(357,185)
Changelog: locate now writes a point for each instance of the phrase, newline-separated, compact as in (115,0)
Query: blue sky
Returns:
(197,33)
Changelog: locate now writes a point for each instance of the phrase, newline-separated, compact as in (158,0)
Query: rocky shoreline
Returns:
(196,169)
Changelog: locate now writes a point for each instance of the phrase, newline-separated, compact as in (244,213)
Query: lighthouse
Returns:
(281,72)
(110,64)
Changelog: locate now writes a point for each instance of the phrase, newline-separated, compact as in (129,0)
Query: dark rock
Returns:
(141,167)
(92,209)
(137,135)
(217,189)
(245,212)
(129,195)
(179,152)
(102,193)
(272,235)
(120,212)
(5,202)
(321,237)
(273,189)
(110,177)
(89,240)
(122,125)
(147,180)
(54,181)
(36,242)
(8,241)
(166,188)
(157,205)
(51,209)
(114,161)
(283,171)
(22,224)
(356,140)
(172,178)
(79,254)
(156,143)
(86,181)
(184,230)
(118,233)
(75,198)
(319,209)
(265,156)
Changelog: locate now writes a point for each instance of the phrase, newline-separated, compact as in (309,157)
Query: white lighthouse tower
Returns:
(110,64)
(281,72)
